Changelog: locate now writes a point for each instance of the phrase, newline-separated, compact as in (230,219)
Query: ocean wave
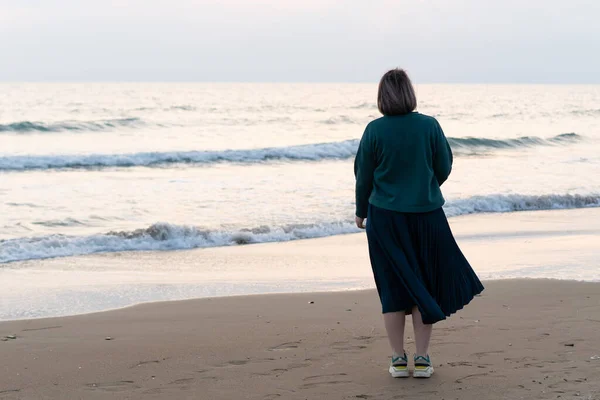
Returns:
(60,223)
(525,141)
(340,119)
(69,126)
(183,107)
(365,105)
(307,152)
(164,236)
(30,205)
(586,113)
(158,237)
(517,202)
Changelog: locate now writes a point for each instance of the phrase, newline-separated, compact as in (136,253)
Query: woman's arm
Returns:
(364,169)
(442,158)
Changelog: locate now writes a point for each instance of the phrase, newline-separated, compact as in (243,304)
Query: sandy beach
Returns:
(561,244)
(180,184)
(522,339)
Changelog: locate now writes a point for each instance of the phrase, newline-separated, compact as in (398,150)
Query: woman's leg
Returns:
(422,333)
(394,325)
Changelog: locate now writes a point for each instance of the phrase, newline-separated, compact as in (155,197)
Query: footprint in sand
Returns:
(485,353)
(272,396)
(182,383)
(286,346)
(154,391)
(278,371)
(238,362)
(323,380)
(324,383)
(142,363)
(460,380)
(467,364)
(40,329)
(346,346)
(310,378)
(3,392)
(119,386)
(460,364)
(232,363)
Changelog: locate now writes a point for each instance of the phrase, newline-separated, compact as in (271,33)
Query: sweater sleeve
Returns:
(442,158)
(364,170)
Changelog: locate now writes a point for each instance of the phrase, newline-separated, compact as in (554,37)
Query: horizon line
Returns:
(289,82)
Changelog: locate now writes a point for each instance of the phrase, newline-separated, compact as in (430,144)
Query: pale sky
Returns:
(484,41)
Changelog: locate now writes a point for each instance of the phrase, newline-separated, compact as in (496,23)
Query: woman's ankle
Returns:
(396,353)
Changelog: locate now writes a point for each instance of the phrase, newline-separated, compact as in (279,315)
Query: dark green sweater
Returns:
(401,163)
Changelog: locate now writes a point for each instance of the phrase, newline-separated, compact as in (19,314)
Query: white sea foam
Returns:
(161,236)
(164,236)
(517,202)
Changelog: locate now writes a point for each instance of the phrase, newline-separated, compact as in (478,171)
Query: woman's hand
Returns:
(360,222)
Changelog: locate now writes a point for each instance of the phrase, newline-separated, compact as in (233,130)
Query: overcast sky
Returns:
(520,41)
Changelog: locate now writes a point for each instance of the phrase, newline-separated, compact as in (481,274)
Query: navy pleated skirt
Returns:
(417,262)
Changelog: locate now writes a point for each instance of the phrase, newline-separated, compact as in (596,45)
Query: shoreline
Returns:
(249,237)
(526,338)
(536,244)
(235,296)
(241,297)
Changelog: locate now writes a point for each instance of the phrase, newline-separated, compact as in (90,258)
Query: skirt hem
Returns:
(447,313)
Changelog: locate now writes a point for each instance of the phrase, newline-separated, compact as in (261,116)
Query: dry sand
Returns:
(522,339)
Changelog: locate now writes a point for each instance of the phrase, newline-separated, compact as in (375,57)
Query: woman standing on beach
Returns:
(402,161)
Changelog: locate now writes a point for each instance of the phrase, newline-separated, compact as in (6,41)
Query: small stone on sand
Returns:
(109,338)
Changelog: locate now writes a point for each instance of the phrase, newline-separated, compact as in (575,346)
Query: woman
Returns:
(402,161)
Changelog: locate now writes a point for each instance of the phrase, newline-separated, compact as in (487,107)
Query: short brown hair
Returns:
(396,94)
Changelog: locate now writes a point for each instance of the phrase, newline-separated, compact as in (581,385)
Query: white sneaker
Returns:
(399,366)
(423,367)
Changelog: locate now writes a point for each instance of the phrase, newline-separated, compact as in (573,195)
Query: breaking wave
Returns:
(164,236)
(307,152)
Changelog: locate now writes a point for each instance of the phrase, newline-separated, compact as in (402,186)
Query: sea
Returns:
(91,168)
